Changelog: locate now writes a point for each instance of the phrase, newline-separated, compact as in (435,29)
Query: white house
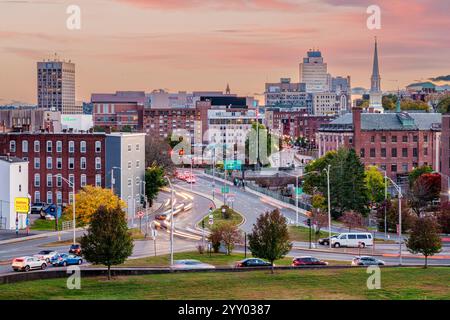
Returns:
(14,184)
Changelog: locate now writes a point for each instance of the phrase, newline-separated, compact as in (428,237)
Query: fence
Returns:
(66,225)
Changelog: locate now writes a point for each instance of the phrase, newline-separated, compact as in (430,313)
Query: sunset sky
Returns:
(205,44)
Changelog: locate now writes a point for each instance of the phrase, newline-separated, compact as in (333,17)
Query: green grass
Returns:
(45,225)
(396,284)
(235,219)
(136,234)
(302,234)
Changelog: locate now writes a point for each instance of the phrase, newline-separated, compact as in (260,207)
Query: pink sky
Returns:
(205,44)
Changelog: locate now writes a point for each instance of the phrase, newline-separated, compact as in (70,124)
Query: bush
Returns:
(228,214)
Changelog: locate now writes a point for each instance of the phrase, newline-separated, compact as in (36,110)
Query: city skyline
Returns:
(197,45)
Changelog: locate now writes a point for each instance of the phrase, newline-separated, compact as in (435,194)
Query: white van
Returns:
(357,239)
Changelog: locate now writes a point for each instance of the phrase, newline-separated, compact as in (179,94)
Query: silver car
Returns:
(190,264)
(367,261)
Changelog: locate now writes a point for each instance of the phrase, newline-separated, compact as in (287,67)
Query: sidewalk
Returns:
(37,236)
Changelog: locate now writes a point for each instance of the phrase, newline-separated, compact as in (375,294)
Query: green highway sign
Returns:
(232,164)
(226,189)
(299,191)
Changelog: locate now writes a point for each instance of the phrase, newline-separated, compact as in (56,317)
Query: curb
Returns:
(38,236)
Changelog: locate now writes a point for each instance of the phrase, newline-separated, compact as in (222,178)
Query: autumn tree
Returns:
(392,218)
(230,235)
(352,220)
(157,153)
(443,218)
(417,172)
(270,237)
(108,240)
(89,199)
(319,217)
(424,238)
(375,185)
(426,188)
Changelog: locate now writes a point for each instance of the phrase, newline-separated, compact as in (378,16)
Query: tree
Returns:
(426,188)
(444,105)
(443,218)
(272,141)
(157,152)
(424,238)
(417,172)
(352,220)
(319,218)
(270,237)
(108,240)
(215,237)
(375,185)
(126,128)
(392,216)
(154,181)
(89,199)
(230,235)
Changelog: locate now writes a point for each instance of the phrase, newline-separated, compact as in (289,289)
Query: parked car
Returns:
(64,259)
(75,249)
(46,255)
(161,217)
(326,241)
(37,207)
(191,180)
(367,261)
(28,263)
(308,261)
(191,265)
(357,239)
(252,262)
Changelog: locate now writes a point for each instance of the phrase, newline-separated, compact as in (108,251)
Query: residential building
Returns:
(56,86)
(313,73)
(14,174)
(286,94)
(395,142)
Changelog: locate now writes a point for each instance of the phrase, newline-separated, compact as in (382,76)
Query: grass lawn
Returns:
(236,218)
(136,234)
(302,234)
(47,225)
(405,283)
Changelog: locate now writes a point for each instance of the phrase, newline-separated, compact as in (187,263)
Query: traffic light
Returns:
(181,152)
(308,222)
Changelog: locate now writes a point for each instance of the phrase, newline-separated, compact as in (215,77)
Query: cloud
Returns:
(440,78)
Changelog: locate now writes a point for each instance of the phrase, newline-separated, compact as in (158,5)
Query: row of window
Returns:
(59,146)
(404,138)
(59,180)
(71,163)
(383,152)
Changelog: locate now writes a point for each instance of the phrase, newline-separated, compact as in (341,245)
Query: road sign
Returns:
(232,164)
(22,205)
(154,234)
(211,219)
(230,198)
(140,214)
(299,191)
(225,189)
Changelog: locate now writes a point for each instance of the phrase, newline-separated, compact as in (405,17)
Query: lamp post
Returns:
(72,185)
(171,220)
(400,196)
(329,204)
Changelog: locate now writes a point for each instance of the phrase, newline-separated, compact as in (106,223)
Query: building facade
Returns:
(394,142)
(30,119)
(56,86)
(313,73)
(445,158)
(286,94)
(14,173)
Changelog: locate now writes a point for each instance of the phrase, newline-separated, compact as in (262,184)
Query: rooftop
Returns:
(11,159)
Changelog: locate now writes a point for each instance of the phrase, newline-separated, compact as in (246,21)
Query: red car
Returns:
(308,261)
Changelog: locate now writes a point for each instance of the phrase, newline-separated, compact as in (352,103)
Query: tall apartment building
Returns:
(286,94)
(313,72)
(56,86)
(394,142)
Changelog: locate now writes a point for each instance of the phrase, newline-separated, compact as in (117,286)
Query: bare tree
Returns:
(157,152)
(352,220)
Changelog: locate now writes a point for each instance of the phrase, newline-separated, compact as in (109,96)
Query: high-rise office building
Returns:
(56,86)
(376,95)
(313,72)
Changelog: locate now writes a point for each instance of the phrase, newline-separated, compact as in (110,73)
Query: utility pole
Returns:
(329,206)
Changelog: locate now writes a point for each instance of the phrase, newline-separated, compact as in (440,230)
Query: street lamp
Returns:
(400,196)
(171,220)
(71,184)
(329,204)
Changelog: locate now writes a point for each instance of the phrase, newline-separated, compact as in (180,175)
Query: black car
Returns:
(252,262)
(75,249)
(325,241)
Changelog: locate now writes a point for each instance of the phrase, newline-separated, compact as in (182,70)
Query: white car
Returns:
(191,265)
(28,263)
(46,255)
(356,239)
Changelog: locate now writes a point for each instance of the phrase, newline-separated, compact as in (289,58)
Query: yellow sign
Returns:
(22,205)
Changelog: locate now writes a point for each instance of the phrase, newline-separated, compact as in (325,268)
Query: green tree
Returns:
(417,172)
(126,128)
(444,105)
(154,181)
(108,240)
(424,238)
(270,237)
(230,235)
(392,216)
(375,185)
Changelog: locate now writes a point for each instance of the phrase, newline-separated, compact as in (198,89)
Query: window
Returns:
(83,163)
(59,163)
(415,152)
(98,180)
(138,181)
(37,146)
(58,197)
(71,179)
(49,163)
(425,138)
(71,146)
(372,139)
(37,196)
(49,197)
(37,180)
(394,152)
(383,167)
(129,164)
(129,148)
(405,138)
(129,182)
(59,181)
(372,152)
(83,180)
(12,146)
(49,146)
(49,180)
(405,152)
(37,163)
(425,151)
(59,146)
(98,163)
(394,139)
(98,146)
(405,167)
(71,163)
(415,138)
(70,197)
(24,146)
(383,152)
(383,138)
(138,164)
(394,168)
(362,153)
(138,147)
(83,146)
(352,236)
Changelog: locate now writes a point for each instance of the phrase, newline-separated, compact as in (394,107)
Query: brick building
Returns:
(395,142)
(295,123)
(445,157)
(78,157)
